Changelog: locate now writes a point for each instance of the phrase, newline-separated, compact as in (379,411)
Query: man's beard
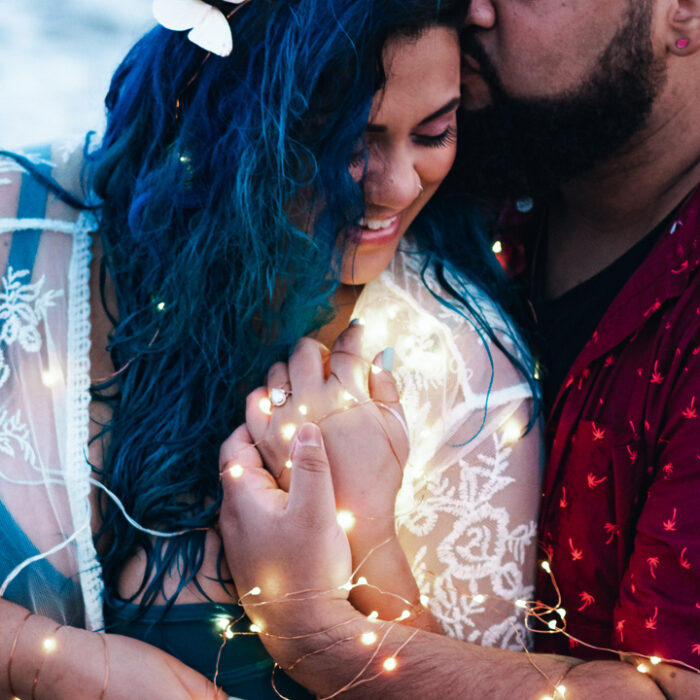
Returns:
(519,146)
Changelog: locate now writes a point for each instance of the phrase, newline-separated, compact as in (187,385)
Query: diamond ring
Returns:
(278,397)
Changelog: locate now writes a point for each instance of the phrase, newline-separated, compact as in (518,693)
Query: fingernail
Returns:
(356,322)
(309,434)
(388,359)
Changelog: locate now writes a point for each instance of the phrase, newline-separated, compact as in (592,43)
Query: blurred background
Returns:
(56,60)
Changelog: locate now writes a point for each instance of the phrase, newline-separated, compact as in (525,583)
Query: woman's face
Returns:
(411,143)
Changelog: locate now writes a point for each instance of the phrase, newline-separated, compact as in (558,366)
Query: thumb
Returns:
(311,487)
(382,385)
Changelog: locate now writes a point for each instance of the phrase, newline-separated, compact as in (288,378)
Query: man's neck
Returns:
(599,217)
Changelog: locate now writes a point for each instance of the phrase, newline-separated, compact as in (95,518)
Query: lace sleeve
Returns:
(468,504)
(47,559)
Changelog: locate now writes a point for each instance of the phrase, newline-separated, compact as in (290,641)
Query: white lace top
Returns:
(468,504)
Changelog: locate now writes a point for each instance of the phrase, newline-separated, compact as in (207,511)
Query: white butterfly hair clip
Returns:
(209,27)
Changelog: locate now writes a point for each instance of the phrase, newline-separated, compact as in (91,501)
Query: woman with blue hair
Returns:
(271,175)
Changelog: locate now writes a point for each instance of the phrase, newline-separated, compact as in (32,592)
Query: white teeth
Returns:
(376,224)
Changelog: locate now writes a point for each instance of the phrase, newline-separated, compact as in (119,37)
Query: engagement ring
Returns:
(278,397)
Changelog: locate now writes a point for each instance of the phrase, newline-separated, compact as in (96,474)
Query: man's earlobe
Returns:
(685,27)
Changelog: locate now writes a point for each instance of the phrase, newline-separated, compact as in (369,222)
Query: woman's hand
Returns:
(357,408)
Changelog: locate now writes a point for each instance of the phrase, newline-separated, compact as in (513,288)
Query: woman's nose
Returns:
(392,182)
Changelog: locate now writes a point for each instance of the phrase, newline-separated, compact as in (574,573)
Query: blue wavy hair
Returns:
(208,172)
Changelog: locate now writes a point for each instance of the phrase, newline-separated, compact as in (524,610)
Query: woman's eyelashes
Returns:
(444,138)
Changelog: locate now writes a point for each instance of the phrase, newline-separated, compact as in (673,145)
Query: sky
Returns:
(56,60)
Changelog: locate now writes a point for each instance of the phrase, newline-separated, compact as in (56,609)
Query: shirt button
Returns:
(524,205)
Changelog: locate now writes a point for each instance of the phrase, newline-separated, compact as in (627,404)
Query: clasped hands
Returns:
(337,444)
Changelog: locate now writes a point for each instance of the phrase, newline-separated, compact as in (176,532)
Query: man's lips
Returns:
(470,64)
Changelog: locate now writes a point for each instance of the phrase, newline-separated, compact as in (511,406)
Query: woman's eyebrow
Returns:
(452,104)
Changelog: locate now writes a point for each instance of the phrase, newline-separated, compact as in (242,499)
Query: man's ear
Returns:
(684,27)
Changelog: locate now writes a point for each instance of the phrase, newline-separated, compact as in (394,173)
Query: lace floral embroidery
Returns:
(22,307)
(14,431)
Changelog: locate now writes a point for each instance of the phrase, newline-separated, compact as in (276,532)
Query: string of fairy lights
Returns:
(539,617)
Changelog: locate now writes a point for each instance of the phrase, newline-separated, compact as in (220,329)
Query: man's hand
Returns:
(287,545)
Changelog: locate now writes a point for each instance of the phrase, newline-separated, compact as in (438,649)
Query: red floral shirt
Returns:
(620,518)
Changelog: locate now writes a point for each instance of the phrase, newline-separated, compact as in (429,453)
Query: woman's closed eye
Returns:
(445,138)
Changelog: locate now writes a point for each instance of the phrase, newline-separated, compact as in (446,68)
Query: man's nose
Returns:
(482,13)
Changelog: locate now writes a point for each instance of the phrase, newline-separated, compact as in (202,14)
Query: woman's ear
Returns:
(684,27)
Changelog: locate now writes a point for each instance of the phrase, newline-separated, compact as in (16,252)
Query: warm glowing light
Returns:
(561,689)
(390,664)
(479,598)
(228,633)
(265,405)
(376,369)
(347,586)
(51,378)
(561,612)
(347,396)
(362,581)
(547,697)
(288,464)
(545,565)
(374,615)
(346,519)
(236,471)
(520,604)
(358,321)
(512,432)
(288,430)
(643,668)
(303,409)
(655,660)
(368,638)
(160,306)
(49,645)
(424,600)
(255,628)
(223,622)
(255,591)
(405,615)
(497,247)
(552,624)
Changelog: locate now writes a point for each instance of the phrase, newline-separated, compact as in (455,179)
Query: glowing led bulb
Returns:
(643,668)
(160,306)
(390,663)
(347,586)
(376,369)
(223,622)
(561,689)
(368,638)
(424,600)
(303,409)
(561,612)
(545,565)
(655,660)
(288,430)
(479,599)
(552,624)
(51,378)
(255,591)
(520,604)
(49,645)
(255,628)
(288,464)
(405,615)
(374,615)
(362,581)
(497,247)
(547,697)
(347,396)
(228,633)
(512,432)
(265,405)
(236,471)
(346,519)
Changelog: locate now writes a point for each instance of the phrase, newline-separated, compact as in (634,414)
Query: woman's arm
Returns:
(44,660)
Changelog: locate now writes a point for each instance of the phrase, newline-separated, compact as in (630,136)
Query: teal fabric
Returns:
(39,586)
(190,633)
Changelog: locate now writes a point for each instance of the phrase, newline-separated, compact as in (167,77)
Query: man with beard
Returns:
(587,112)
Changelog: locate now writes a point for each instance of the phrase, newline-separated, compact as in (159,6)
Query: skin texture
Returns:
(539,48)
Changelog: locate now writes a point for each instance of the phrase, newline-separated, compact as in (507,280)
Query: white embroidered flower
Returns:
(22,308)
(209,27)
